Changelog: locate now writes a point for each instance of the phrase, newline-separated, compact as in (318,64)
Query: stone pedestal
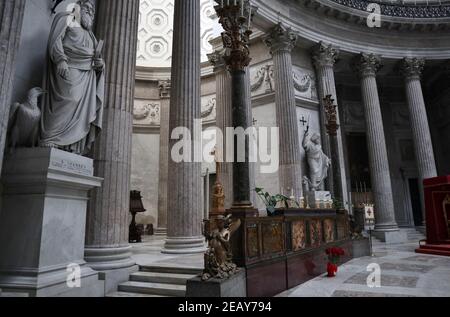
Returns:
(360,248)
(42,223)
(235,286)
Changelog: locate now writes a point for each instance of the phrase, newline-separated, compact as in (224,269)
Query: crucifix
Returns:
(254,122)
(303,121)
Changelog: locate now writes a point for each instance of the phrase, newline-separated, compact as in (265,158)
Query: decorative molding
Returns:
(264,77)
(414,10)
(151,112)
(209,109)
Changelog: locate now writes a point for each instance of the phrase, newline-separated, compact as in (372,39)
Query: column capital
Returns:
(324,55)
(217,59)
(164,89)
(412,68)
(281,39)
(367,65)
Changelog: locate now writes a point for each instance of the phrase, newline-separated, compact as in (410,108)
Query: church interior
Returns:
(224,148)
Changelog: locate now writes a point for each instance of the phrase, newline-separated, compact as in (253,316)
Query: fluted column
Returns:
(324,57)
(423,147)
(164,87)
(108,218)
(184,215)
(250,123)
(11,17)
(367,66)
(224,119)
(281,42)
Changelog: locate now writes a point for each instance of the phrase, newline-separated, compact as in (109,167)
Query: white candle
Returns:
(242,7)
(249,16)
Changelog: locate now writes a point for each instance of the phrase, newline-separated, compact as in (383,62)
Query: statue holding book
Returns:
(72,110)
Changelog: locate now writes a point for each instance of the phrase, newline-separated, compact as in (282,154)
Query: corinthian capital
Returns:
(367,64)
(217,59)
(412,68)
(281,39)
(164,89)
(324,55)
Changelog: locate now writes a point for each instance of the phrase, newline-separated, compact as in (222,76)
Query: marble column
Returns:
(184,214)
(423,146)
(224,119)
(281,42)
(11,17)
(108,217)
(164,87)
(324,58)
(250,123)
(367,66)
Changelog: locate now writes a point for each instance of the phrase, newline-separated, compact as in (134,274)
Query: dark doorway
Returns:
(359,161)
(414,192)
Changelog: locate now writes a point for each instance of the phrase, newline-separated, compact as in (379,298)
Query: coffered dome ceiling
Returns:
(156,30)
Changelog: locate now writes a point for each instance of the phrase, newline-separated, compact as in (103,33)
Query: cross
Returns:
(303,121)
(254,122)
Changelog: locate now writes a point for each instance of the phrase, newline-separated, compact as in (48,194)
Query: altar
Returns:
(288,249)
(437,206)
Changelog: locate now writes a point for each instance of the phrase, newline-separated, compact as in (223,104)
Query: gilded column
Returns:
(108,217)
(423,147)
(184,214)
(324,58)
(11,17)
(367,66)
(281,42)
(164,87)
(224,120)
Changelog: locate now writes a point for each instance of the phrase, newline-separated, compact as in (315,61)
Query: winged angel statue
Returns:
(218,257)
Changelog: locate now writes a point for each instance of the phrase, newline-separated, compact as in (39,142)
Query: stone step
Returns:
(153,289)
(162,278)
(128,294)
(171,269)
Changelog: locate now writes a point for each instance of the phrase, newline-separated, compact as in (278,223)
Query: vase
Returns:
(331,269)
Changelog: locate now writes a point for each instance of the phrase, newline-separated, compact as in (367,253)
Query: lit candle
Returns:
(249,16)
(242,7)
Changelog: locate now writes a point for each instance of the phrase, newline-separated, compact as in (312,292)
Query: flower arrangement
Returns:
(334,255)
(271,201)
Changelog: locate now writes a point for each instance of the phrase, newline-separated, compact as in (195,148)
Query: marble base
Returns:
(180,245)
(391,237)
(360,248)
(161,232)
(42,223)
(313,197)
(235,286)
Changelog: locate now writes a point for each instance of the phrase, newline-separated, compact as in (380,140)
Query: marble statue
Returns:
(73,108)
(218,257)
(318,162)
(24,118)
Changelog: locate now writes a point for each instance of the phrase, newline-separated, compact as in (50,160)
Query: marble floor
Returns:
(403,274)
(149,253)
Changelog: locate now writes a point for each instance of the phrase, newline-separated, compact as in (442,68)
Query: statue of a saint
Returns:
(318,162)
(72,110)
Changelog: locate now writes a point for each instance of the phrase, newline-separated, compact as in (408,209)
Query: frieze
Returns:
(401,10)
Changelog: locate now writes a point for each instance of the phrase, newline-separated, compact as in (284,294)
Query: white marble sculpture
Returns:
(24,120)
(318,162)
(73,108)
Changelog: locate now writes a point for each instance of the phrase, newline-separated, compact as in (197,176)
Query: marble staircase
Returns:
(413,234)
(157,281)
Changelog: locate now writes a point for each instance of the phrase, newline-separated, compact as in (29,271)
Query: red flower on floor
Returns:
(334,255)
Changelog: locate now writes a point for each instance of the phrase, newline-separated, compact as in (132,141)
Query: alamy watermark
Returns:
(374,18)
(252,145)
(374,278)
(73,276)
